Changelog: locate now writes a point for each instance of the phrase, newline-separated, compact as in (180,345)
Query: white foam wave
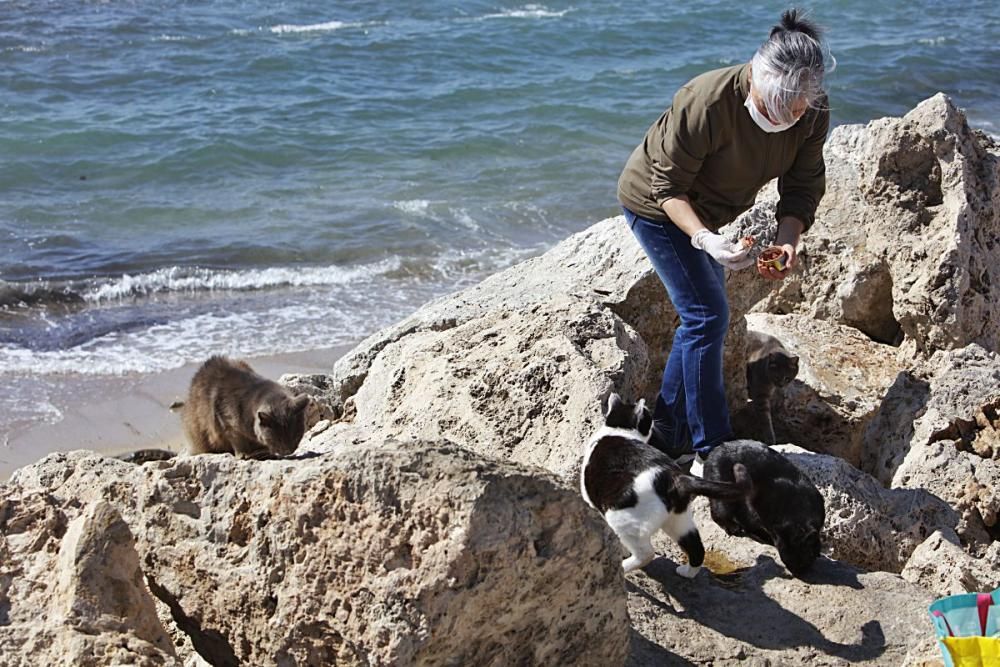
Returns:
(177,279)
(527,12)
(413,206)
(171,345)
(932,41)
(326,26)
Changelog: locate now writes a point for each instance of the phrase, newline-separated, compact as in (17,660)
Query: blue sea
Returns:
(186,178)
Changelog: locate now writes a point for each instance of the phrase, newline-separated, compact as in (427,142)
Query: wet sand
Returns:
(119,414)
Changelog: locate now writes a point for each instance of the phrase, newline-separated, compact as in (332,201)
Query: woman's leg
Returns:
(692,397)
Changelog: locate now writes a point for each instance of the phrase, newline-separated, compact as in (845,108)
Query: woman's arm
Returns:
(680,212)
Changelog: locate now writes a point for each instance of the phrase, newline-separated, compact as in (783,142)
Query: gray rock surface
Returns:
(867,525)
(937,430)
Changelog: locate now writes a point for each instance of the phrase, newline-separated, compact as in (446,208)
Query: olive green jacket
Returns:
(707,146)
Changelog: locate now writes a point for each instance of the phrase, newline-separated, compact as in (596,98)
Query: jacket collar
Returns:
(742,84)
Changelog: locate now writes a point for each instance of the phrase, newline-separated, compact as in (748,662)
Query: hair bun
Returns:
(791,21)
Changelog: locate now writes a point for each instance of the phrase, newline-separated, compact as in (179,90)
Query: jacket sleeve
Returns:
(804,184)
(687,138)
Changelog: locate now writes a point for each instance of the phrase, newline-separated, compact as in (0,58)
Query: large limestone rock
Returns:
(843,377)
(391,553)
(905,239)
(521,386)
(71,587)
(937,430)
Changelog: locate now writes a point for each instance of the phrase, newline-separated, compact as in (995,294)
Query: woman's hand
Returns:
(791,259)
(789,230)
(730,255)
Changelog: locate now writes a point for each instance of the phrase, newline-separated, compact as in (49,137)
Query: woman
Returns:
(727,133)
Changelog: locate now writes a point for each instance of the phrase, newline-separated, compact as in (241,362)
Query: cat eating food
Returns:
(782,509)
(640,490)
(232,409)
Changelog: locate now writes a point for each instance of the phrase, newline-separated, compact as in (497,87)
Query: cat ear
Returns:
(643,418)
(265,419)
(613,400)
(300,402)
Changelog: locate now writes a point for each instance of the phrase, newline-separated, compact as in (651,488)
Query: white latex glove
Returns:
(726,253)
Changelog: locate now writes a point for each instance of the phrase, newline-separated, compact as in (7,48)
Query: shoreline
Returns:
(119,414)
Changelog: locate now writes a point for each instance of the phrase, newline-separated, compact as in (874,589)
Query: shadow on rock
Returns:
(738,607)
(645,652)
(827,572)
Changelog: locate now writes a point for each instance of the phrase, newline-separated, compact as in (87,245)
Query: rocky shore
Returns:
(431,515)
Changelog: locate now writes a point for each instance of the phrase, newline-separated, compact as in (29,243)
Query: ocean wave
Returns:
(527,12)
(179,279)
(313,27)
(21,295)
(412,206)
(281,329)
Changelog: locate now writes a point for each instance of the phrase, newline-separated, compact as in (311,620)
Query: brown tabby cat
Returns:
(232,409)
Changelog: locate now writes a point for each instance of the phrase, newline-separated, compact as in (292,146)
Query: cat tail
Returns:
(741,487)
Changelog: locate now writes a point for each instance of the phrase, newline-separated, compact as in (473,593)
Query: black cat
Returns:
(783,508)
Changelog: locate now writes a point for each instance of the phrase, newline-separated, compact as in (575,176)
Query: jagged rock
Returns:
(935,431)
(601,265)
(316,386)
(520,386)
(905,239)
(388,553)
(71,589)
(942,566)
(842,379)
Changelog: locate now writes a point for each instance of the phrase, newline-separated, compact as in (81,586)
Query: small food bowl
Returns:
(773,257)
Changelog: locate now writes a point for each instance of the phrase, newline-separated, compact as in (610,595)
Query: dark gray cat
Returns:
(770,366)
(783,507)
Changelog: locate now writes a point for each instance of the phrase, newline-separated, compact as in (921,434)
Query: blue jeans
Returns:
(691,407)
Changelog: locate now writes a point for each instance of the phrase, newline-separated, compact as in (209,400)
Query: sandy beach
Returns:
(118,414)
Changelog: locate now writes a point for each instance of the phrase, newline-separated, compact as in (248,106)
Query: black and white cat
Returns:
(783,508)
(640,490)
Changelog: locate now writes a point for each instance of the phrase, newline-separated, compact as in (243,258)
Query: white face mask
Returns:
(762,122)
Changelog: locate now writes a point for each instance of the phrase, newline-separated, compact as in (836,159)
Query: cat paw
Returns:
(687,571)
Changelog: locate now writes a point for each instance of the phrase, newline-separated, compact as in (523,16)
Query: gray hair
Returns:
(790,66)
